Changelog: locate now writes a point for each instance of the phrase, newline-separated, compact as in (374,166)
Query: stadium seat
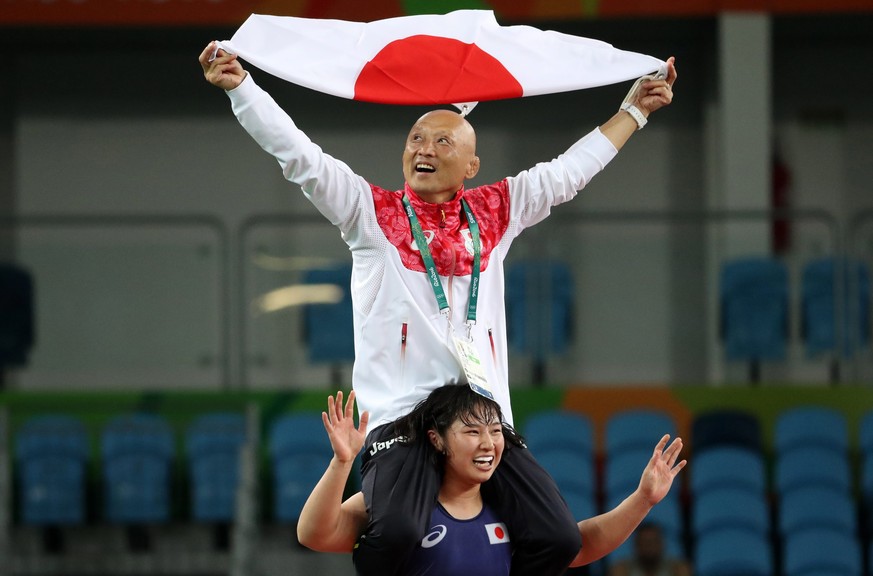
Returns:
(633,429)
(865,448)
(867,492)
(539,300)
(808,426)
(137,454)
(539,311)
(582,504)
(213,443)
(328,328)
(865,434)
(730,508)
(867,478)
(570,470)
(721,427)
(814,466)
(728,467)
(558,430)
(51,453)
(667,513)
(818,306)
(299,452)
(817,507)
(622,471)
(753,296)
(733,552)
(821,551)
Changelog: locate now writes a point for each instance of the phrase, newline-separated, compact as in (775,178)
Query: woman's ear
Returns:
(435,440)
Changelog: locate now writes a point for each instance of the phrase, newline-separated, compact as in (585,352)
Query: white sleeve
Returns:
(534,191)
(328,183)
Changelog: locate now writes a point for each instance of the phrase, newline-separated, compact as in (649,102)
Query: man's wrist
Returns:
(635,113)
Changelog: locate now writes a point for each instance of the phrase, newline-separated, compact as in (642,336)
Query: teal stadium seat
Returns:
(213,443)
(51,455)
(137,456)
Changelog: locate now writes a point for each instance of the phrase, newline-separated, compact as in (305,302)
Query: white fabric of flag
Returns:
(460,57)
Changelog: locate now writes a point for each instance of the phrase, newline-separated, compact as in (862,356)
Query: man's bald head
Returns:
(440,154)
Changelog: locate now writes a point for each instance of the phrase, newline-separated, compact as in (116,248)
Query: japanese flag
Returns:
(497,533)
(461,57)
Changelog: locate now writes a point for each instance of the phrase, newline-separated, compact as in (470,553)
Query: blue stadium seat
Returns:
(667,513)
(137,454)
(865,448)
(633,429)
(731,427)
(733,552)
(570,470)
(865,434)
(817,507)
(753,295)
(819,551)
(813,466)
(563,443)
(51,453)
(213,443)
(728,467)
(622,471)
(559,430)
(539,301)
(299,452)
(730,508)
(806,426)
(582,504)
(328,328)
(818,306)
(867,478)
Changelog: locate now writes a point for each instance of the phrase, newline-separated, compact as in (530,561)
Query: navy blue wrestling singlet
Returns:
(478,546)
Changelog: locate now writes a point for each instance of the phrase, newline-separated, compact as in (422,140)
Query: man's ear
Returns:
(472,168)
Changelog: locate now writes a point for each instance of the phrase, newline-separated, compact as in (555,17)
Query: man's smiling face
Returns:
(440,154)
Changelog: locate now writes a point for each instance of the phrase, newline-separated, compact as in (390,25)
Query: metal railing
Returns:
(196,283)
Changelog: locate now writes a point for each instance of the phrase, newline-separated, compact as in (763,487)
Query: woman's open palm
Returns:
(339,422)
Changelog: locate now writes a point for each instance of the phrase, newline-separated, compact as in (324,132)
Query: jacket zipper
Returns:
(403,333)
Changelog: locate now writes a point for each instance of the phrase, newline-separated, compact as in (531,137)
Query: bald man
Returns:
(427,291)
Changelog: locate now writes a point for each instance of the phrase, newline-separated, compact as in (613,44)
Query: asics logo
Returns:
(436,535)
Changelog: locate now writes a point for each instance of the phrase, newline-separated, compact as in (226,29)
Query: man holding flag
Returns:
(427,287)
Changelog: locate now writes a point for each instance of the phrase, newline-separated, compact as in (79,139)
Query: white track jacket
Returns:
(403,345)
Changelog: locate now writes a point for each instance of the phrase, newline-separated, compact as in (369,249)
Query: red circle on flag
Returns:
(498,531)
(434,70)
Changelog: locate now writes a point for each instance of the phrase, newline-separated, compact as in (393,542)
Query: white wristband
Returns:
(635,114)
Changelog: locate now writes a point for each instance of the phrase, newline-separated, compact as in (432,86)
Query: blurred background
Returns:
(168,300)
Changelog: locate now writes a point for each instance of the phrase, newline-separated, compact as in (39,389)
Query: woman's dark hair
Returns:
(449,403)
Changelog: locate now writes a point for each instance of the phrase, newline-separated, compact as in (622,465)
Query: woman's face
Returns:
(473,449)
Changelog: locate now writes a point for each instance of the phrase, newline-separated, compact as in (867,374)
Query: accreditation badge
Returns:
(473,367)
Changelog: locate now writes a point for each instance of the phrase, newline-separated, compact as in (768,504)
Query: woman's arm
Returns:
(327,524)
(606,532)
